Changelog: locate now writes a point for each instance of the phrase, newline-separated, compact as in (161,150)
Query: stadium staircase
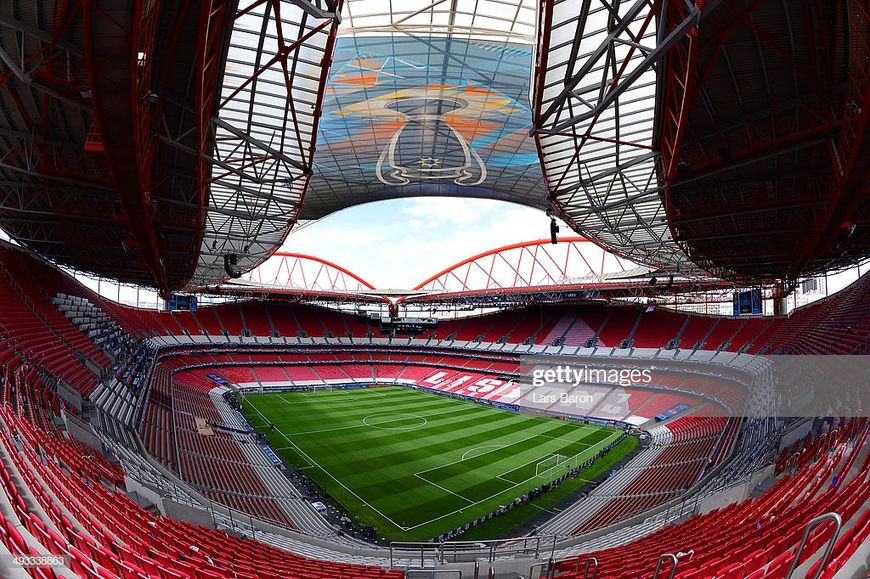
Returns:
(556,335)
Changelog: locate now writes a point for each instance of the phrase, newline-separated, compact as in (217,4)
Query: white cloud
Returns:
(439,210)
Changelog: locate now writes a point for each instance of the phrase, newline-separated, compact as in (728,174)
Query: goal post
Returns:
(551,465)
(323,387)
(556,465)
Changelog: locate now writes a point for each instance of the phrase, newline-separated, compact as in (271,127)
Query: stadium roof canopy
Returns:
(176,146)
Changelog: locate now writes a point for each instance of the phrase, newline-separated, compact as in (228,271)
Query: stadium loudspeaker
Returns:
(554,229)
(653,281)
(230,259)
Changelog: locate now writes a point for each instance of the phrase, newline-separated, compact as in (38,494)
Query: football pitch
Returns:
(415,464)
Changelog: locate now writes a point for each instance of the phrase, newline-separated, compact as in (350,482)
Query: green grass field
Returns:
(416,464)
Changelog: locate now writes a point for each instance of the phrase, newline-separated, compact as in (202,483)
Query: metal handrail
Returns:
(452,551)
(833,439)
(431,573)
(670,556)
(540,564)
(551,568)
(590,561)
(838,523)
(424,549)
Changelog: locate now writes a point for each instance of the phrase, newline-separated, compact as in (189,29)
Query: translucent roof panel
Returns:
(262,134)
(597,105)
(409,116)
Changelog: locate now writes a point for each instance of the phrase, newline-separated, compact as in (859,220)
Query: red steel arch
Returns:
(525,265)
(297,271)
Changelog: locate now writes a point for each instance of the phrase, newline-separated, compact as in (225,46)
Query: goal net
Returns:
(552,465)
(323,387)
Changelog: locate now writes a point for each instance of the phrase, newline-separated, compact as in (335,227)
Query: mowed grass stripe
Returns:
(333,410)
(539,439)
(394,455)
(437,438)
(378,471)
(338,418)
(421,461)
(389,451)
(500,466)
(529,470)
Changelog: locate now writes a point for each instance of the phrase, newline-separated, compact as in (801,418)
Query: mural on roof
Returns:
(436,116)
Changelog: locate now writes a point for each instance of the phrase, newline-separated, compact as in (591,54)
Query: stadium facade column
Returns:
(780,299)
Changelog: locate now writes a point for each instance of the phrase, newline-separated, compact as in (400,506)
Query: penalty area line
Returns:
(446,490)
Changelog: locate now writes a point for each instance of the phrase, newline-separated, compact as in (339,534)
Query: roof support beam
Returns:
(110,29)
(331,10)
(254,168)
(609,94)
(246,137)
(602,172)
